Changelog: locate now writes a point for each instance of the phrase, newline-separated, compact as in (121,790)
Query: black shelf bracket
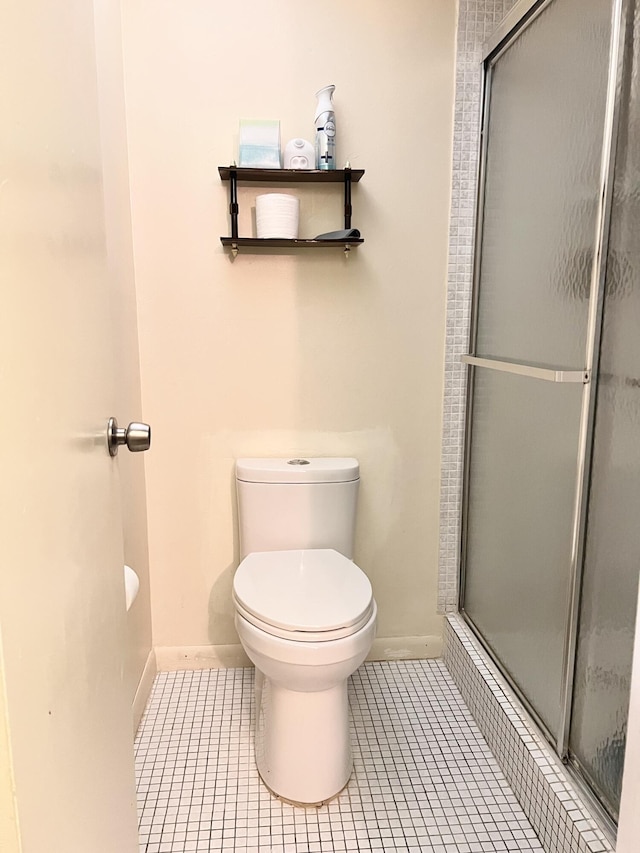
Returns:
(233,201)
(347,199)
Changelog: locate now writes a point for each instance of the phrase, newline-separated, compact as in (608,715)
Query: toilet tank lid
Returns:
(298,470)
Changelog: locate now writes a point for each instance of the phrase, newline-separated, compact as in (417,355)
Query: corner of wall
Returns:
(144,689)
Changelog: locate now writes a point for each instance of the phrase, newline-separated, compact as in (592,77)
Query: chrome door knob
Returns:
(136,436)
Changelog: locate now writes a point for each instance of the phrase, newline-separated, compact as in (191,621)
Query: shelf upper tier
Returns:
(292,176)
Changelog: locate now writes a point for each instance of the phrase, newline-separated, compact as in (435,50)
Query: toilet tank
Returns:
(290,504)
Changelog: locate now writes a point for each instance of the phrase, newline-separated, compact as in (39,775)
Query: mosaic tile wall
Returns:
(549,799)
(476,21)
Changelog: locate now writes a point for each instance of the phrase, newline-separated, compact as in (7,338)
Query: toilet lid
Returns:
(303,591)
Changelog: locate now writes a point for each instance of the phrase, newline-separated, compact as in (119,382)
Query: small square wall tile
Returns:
(546,793)
(476,21)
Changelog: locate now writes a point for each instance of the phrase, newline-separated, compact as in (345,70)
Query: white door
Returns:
(67,781)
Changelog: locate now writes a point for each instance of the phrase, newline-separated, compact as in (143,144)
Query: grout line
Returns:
(546,793)
(424,778)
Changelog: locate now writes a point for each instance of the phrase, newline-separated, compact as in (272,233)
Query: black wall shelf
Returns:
(282,243)
(292,176)
(233,174)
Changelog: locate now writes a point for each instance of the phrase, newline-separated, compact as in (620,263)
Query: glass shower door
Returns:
(545,119)
(612,553)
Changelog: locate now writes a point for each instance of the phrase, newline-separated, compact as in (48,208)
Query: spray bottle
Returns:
(325,122)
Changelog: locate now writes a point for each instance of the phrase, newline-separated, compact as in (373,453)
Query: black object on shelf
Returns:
(345,234)
(233,174)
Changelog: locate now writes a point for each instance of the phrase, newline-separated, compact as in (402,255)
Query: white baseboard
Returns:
(172,658)
(144,689)
(406,648)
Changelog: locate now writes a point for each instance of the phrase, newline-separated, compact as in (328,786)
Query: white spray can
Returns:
(325,122)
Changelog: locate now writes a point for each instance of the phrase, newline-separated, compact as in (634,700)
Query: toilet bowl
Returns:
(306,617)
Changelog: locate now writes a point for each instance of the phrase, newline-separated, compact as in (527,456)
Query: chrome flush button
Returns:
(298,462)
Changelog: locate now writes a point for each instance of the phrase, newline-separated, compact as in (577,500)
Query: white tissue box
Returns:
(259,144)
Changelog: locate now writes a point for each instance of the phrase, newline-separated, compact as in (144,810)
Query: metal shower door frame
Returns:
(521,16)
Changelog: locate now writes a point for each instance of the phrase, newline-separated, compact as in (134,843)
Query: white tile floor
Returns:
(424,778)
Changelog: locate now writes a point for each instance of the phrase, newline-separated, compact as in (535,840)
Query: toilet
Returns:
(305,615)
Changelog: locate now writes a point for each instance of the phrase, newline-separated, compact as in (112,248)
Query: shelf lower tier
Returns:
(282,243)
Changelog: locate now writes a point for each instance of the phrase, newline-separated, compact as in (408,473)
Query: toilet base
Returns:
(303,805)
(302,747)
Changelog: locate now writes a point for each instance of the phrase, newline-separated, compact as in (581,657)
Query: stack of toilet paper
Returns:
(277,215)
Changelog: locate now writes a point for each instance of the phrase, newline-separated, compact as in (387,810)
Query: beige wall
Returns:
(290,354)
(125,355)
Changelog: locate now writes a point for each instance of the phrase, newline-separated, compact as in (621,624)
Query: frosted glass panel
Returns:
(521,496)
(546,125)
(612,562)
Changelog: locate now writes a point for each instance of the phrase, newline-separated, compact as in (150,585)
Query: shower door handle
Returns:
(136,436)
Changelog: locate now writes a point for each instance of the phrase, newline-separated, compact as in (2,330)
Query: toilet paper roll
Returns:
(277,215)
(131,586)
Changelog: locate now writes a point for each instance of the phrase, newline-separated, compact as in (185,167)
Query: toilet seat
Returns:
(303,636)
(311,595)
